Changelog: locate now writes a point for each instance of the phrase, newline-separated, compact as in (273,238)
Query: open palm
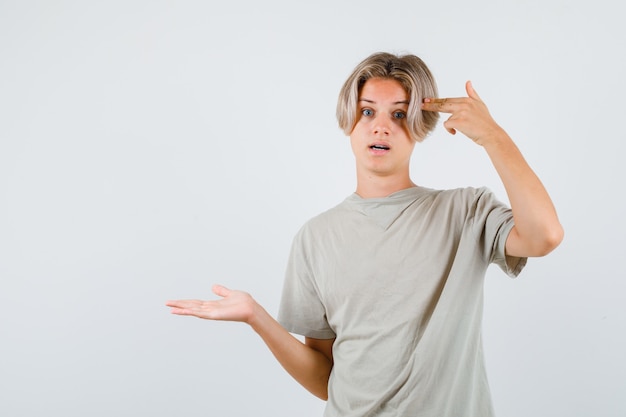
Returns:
(233,306)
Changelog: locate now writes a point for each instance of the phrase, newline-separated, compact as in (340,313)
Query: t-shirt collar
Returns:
(385,210)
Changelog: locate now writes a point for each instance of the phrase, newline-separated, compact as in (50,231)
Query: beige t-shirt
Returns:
(398,282)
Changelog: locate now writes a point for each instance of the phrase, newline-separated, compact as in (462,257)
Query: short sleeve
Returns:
(301,308)
(496,221)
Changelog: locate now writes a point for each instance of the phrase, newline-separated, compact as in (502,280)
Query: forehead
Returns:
(383,89)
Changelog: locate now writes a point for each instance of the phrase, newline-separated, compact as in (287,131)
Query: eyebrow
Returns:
(395,102)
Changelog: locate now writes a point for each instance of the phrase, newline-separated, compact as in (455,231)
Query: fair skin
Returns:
(309,363)
(382,149)
(537,229)
(380,141)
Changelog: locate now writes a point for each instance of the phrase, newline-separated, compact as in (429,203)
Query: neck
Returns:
(370,186)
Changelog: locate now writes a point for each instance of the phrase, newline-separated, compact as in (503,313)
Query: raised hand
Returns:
(537,230)
(469,115)
(233,306)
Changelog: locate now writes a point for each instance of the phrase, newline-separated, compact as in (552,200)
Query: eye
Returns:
(399,115)
(367,112)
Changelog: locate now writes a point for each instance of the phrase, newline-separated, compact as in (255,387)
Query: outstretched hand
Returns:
(233,306)
(469,115)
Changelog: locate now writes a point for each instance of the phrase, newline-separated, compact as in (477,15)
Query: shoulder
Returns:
(466,193)
(328,217)
(323,221)
(459,197)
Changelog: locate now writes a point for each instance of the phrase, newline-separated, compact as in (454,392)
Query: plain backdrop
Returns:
(149,149)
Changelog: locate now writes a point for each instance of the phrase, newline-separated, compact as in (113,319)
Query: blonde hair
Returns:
(414,76)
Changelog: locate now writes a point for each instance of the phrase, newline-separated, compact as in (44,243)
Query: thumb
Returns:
(220,290)
(471,92)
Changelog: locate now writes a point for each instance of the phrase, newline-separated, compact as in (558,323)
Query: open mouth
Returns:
(379,147)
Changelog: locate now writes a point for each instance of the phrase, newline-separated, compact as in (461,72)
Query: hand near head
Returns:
(469,115)
(233,306)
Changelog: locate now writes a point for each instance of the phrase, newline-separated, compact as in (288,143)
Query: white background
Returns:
(149,149)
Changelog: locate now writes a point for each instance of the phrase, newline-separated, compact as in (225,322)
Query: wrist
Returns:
(256,315)
(495,139)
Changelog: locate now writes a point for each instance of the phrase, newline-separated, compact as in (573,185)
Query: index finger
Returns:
(183,303)
(443,105)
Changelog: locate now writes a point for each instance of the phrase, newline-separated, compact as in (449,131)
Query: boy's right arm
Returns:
(308,363)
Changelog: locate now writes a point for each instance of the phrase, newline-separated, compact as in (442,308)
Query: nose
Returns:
(381,125)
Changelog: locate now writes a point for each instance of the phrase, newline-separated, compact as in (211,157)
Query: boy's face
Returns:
(380,140)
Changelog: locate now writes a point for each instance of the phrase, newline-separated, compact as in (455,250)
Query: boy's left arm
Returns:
(537,229)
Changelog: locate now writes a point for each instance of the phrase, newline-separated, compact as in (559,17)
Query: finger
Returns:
(471,92)
(442,105)
(221,290)
(181,311)
(434,104)
(448,126)
(196,308)
(183,303)
(174,303)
